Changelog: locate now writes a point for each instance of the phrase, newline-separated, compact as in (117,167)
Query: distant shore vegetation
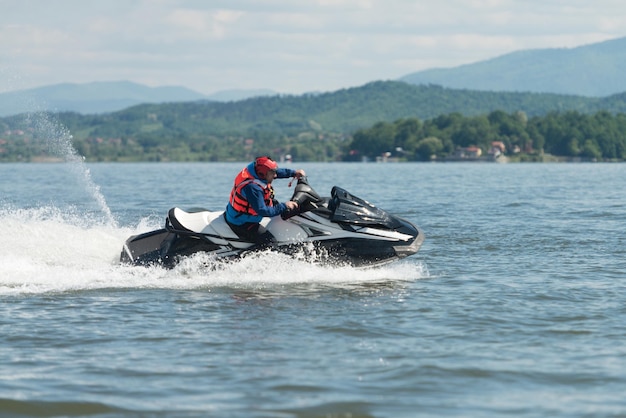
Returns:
(557,136)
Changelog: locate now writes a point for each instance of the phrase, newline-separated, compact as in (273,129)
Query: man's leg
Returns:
(250,232)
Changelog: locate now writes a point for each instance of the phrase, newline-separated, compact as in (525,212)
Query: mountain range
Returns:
(108,96)
(595,70)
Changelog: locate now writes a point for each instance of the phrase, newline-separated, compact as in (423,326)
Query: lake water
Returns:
(515,305)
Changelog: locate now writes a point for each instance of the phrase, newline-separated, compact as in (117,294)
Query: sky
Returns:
(288,46)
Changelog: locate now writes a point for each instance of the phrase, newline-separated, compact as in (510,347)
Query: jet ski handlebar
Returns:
(304,194)
(306,198)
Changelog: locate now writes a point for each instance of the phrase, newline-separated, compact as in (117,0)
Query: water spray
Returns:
(59,142)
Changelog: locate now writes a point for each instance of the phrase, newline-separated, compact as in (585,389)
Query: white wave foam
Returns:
(46,250)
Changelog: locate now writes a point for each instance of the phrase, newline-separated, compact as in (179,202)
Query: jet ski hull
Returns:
(342,229)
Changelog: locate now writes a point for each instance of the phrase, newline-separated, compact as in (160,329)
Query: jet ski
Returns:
(340,229)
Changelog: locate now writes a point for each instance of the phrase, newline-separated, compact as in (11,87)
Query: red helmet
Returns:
(264,164)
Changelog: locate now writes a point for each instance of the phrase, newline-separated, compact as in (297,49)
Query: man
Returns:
(252,199)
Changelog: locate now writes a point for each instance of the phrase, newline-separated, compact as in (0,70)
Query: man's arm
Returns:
(283,173)
(254,194)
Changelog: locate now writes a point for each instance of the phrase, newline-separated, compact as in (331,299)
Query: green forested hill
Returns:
(342,111)
(304,125)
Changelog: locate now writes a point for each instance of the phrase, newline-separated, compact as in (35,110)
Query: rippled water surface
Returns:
(515,306)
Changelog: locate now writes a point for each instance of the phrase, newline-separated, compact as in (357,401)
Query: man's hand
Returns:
(291,205)
(300,173)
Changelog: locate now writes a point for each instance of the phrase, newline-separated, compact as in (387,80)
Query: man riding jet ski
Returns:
(341,229)
(252,199)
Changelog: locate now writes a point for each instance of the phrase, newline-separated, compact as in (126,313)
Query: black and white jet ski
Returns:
(341,229)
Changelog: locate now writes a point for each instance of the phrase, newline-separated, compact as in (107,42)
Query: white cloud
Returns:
(209,24)
(280,44)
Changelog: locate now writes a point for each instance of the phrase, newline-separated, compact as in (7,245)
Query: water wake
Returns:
(49,250)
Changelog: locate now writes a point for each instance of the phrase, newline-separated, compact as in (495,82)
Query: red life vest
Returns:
(239,202)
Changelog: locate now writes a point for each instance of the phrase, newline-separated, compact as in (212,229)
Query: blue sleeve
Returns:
(283,173)
(254,194)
